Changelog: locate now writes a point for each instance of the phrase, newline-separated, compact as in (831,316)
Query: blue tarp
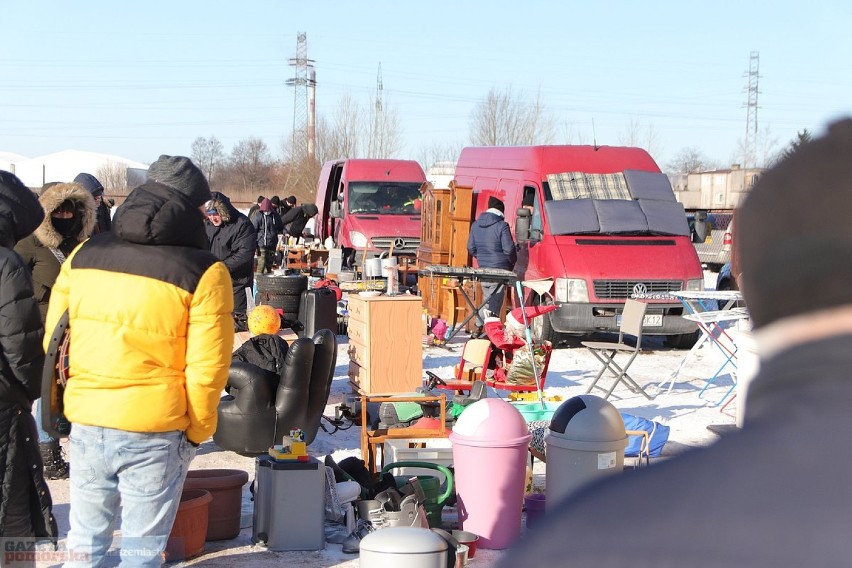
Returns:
(658,435)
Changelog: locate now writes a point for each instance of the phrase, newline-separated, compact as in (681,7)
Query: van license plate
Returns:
(650,320)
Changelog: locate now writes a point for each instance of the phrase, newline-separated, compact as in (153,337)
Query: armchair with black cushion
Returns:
(262,407)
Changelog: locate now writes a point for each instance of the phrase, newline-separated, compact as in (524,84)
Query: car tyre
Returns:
(683,340)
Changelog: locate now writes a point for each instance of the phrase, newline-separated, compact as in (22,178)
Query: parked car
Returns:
(715,251)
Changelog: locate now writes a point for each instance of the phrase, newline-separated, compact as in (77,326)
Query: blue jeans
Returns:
(43,437)
(137,475)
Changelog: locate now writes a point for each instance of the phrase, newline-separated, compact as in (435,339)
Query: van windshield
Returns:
(632,202)
(384,198)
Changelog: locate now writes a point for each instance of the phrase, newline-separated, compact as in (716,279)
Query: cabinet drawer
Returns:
(359,377)
(357,331)
(359,353)
(357,310)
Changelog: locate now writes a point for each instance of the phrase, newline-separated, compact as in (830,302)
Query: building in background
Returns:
(117,174)
(713,190)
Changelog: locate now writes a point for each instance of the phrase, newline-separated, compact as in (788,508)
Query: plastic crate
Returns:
(433,450)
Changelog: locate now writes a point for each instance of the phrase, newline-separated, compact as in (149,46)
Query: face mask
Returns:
(66,227)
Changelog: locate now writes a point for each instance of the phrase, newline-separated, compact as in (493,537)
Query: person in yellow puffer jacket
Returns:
(151,339)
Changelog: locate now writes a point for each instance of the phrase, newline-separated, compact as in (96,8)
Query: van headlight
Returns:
(571,290)
(357,239)
(695,285)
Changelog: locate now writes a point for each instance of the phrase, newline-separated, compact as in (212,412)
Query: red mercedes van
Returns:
(601,221)
(370,205)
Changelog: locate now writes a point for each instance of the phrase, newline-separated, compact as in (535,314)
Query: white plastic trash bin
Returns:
(585,441)
(411,547)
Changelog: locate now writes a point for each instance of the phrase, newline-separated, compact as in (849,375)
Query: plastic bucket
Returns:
(534,503)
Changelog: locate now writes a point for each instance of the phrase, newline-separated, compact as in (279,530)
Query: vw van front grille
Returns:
(623,289)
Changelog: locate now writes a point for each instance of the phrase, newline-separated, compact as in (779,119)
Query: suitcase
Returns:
(318,310)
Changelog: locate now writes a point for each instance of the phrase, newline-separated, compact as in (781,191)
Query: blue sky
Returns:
(139,79)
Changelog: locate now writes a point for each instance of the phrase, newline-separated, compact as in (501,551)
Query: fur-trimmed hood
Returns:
(51,198)
(223,206)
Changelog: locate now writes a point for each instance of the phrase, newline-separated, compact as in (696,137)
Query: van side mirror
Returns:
(522,225)
(700,227)
(336,210)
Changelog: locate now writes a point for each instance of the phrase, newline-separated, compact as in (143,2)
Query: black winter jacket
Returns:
(297,217)
(490,242)
(21,361)
(233,242)
(268,227)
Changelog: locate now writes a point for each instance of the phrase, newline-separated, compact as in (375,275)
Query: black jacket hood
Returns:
(156,214)
(20,211)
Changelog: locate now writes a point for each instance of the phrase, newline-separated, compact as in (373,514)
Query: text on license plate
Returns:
(651,320)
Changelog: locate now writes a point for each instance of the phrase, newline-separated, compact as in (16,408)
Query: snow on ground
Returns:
(571,370)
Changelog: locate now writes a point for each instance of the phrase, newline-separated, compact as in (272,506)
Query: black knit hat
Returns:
(794,235)
(275,201)
(91,183)
(494,203)
(182,175)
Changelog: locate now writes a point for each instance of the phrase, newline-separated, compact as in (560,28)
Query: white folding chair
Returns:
(606,351)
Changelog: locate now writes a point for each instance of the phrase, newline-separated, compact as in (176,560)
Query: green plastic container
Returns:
(435,496)
(532,411)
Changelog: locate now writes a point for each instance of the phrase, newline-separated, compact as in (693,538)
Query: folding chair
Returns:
(605,352)
(474,362)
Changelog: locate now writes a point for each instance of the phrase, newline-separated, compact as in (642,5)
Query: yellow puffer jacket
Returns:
(151,325)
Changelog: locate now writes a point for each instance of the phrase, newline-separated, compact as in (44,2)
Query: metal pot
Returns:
(373,268)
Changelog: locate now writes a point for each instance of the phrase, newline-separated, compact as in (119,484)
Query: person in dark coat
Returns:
(69,220)
(25,503)
(232,240)
(267,224)
(297,218)
(775,493)
(287,205)
(255,208)
(490,243)
(91,183)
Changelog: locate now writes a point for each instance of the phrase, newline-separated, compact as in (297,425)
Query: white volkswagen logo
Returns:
(399,243)
(640,290)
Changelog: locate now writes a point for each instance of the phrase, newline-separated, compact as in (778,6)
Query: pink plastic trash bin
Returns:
(490,442)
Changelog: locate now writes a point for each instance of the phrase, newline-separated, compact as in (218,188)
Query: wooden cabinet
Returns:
(385,343)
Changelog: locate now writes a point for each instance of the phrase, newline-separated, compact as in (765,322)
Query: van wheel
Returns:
(683,341)
(542,330)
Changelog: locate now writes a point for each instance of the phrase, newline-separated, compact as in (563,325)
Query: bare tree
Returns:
(343,136)
(250,160)
(113,176)
(208,154)
(690,160)
(571,134)
(503,119)
(385,138)
(637,135)
(438,152)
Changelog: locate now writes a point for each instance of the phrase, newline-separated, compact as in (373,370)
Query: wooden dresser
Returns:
(385,343)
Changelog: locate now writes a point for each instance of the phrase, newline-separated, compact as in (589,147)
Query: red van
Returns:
(370,205)
(601,221)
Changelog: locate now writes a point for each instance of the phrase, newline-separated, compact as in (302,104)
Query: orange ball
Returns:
(264,319)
